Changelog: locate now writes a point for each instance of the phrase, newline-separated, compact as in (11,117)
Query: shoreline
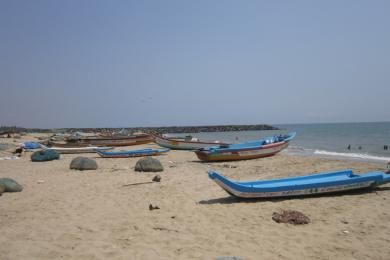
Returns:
(331,155)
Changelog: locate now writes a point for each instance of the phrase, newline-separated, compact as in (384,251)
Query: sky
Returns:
(90,63)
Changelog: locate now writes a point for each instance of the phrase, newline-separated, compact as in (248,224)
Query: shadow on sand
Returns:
(231,199)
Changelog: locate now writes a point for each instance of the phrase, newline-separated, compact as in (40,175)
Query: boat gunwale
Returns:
(190,142)
(210,150)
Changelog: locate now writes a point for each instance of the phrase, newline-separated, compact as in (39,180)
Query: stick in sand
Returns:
(137,183)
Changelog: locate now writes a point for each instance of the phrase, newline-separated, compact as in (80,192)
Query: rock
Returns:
(10,185)
(2,188)
(18,150)
(151,207)
(156,178)
(83,163)
(291,217)
(45,155)
(148,164)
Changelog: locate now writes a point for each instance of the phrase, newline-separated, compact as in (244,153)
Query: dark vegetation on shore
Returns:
(165,129)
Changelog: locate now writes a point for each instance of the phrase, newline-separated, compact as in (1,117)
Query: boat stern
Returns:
(386,178)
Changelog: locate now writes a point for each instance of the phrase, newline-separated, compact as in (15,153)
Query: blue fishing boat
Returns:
(303,185)
(249,150)
(131,153)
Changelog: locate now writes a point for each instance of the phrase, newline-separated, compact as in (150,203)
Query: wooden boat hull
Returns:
(110,141)
(176,144)
(322,183)
(134,153)
(243,154)
(119,142)
(67,145)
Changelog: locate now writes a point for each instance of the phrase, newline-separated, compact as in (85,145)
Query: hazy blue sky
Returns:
(86,63)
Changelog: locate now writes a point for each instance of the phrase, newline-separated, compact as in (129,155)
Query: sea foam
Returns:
(353,155)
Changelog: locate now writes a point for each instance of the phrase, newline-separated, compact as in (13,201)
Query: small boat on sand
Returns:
(319,183)
(131,153)
(249,150)
(74,150)
(184,143)
(110,140)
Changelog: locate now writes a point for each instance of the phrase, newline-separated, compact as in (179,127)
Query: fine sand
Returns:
(67,214)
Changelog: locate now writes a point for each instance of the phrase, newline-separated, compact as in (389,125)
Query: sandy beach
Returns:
(68,214)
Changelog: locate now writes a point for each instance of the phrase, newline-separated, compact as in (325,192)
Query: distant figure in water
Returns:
(349,147)
(360,148)
(236,138)
(385,147)
(388,168)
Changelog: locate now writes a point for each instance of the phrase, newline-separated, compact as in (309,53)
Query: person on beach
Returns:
(349,147)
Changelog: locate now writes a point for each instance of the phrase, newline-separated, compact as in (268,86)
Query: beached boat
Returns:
(73,150)
(248,150)
(111,141)
(184,143)
(299,186)
(64,145)
(131,153)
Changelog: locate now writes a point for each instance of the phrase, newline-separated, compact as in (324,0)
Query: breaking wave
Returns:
(360,156)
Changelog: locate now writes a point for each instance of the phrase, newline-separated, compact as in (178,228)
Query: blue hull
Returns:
(131,153)
(249,150)
(303,185)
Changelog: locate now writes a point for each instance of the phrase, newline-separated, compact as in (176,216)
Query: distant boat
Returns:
(111,140)
(184,143)
(249,150)
(299,186)
(74,150)
(131,153)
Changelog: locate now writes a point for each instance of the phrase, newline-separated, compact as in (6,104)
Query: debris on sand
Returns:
(151,207)
(291,217)
(156,178)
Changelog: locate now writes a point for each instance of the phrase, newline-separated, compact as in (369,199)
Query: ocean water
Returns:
(330,140)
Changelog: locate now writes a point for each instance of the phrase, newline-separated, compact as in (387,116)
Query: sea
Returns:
(349,141)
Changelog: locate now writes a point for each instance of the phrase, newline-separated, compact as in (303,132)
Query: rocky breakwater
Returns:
(171,129)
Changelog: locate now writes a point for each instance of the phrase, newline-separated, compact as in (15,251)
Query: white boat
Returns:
(184,143)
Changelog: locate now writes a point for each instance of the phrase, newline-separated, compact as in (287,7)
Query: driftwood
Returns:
(156,178)
(137,183)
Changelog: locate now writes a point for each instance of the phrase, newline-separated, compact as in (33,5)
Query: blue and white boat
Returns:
(131,153)
(303,185)
(249,150)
